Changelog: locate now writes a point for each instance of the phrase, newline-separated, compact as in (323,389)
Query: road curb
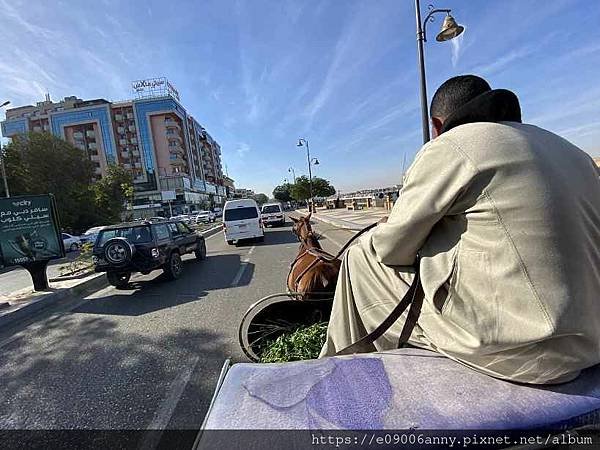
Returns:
(88,287)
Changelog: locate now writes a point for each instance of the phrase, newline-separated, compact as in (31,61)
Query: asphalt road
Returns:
(147,357)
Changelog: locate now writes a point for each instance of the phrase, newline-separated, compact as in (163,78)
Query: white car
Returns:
(89,237)
(71,243)
(272,213)
(205,216)
(185,218)
(241,220)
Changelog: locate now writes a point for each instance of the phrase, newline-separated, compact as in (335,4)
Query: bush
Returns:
(304,342)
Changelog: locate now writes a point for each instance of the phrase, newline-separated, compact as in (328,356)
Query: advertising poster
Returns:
(29,230)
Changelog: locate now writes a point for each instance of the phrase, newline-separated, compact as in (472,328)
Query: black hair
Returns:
(455,92)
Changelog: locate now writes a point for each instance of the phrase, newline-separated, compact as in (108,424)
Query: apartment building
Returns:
(171,157)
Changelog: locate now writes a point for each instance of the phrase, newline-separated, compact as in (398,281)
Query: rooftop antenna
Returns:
(48,97)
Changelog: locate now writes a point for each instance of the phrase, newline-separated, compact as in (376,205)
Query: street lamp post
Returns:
(304,143)
(291,170)
(6,191)
(450,29)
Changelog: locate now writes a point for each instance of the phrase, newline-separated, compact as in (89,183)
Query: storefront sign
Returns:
(29,230)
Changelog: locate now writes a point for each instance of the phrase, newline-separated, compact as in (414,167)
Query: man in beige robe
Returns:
(506,219)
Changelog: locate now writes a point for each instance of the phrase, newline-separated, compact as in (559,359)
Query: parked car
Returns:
(71,243)
(123,249)
(217,210)
(185,218)
(241,220)
(90,236)
(205,217)
(272,213)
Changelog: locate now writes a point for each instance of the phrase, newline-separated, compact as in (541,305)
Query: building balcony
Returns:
(131,128)
(133,140)
(98,171)
(78,135)
(90,134)
(137,165)
(120,130)
(170,123)
(129,115)
(135,152)
(92,146)
(95,158)
(174,138)
(127,166)
(119,117)
(125,155)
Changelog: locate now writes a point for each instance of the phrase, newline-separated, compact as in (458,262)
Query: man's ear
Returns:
(436,127)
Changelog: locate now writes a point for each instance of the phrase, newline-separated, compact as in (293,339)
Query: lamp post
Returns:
(304,143)
(291,170)
(450,29)
(6,191)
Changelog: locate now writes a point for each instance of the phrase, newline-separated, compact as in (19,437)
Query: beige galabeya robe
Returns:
(506,218)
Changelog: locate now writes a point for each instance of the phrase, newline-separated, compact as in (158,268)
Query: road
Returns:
(147,357)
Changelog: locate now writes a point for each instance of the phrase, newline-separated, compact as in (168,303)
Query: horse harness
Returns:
(412,300)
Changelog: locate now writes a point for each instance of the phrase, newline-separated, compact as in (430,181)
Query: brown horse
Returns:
(314,272)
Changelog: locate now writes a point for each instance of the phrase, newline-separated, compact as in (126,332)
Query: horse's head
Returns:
(301,227)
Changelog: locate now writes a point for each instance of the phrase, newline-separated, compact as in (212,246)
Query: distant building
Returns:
(243,193)
(169,154)
(229,186)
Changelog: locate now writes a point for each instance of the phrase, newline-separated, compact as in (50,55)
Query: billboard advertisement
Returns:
(29,230)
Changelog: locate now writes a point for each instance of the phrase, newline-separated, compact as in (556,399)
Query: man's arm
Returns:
(440,173)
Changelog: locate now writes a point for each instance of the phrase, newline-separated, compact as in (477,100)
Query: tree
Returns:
(283,193)
(41,163)
(320,187)
(113,193)
(261,198)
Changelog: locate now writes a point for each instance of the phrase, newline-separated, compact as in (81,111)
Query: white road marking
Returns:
(239,274)
(164,413)
(243,264)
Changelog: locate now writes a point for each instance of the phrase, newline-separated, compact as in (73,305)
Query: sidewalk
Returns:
(347,219)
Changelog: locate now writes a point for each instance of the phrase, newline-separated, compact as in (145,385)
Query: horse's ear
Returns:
(308,217)
(294,219)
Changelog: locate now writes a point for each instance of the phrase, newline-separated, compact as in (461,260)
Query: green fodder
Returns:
(304,342)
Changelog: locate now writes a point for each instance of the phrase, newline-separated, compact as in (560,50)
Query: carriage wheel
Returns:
(276,314)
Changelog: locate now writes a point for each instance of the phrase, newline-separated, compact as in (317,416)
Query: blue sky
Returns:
(341,73)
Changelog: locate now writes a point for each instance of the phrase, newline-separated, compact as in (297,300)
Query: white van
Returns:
(241,220)
(272,213)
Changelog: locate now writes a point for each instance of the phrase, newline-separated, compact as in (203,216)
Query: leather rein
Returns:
(321,255)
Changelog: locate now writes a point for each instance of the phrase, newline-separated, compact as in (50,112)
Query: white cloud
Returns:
(457,47)
(242,149)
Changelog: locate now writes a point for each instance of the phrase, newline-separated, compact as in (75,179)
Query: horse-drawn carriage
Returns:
(401,398)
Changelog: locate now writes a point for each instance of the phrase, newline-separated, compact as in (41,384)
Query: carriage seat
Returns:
(400,389)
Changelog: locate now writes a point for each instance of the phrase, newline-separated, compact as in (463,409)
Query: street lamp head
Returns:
(450,29)
(300,144)
(5,103)
(316,163)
